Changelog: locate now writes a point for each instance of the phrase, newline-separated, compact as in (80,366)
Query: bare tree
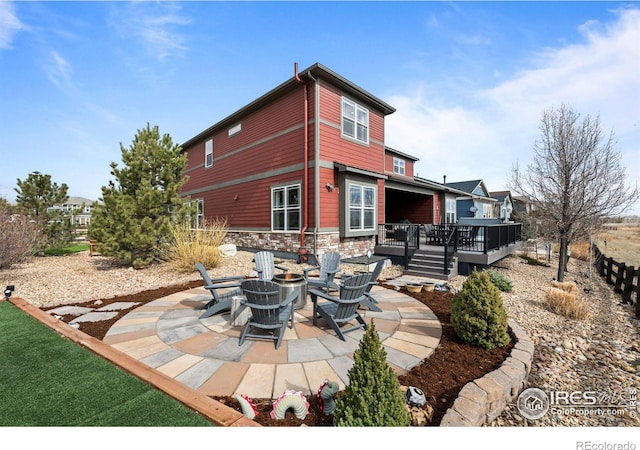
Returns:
(575,180)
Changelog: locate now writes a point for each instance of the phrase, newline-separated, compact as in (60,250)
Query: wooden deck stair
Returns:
(429,263)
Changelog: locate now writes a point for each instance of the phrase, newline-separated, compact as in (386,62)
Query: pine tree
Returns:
(36,196)
(132,223)
(373,396)
(477,313)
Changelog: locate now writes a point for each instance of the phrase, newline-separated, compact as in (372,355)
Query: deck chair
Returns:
(470,238)
(338,312)
(269,316)
(369,301)
(429,233)
(329,266)
(221,289)
(265,266)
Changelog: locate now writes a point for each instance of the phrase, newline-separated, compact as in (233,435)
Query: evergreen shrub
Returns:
(477,313)
(501,282)
(373,397)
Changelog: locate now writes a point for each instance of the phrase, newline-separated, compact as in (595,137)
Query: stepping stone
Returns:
(118,306)
(70,310)
(94,317)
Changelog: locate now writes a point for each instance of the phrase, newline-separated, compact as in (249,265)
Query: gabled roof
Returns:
(78,201)
(471,188)
(399,153)
(500,195)
(315,71)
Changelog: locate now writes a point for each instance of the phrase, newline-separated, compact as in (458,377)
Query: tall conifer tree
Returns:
(132,222)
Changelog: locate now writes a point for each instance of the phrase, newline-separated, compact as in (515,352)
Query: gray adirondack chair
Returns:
(265,266)
(221,289)
(329,266)
(368,301)
(340,312)
(269,316)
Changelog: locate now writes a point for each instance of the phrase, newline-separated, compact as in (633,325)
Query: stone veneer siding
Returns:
(482,400)
(290,242)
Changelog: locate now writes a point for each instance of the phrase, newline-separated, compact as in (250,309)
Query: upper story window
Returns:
(237,128)
(208,153)
(285,208)
(355,121)
(398,166)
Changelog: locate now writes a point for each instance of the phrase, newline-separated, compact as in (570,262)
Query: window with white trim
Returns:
(355,121)
(362,207)
(237,128)
(450,210)
(197,220)
(398,166)
(285,208)
(208,153)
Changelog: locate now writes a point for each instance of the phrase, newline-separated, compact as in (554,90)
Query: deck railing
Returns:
(453,237)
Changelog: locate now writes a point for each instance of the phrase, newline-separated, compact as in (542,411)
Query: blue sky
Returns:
(469,80)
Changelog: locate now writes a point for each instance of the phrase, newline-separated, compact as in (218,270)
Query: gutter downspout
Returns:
(316,166)
(306,158)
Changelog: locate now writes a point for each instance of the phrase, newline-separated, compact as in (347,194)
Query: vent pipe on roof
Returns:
(444,179)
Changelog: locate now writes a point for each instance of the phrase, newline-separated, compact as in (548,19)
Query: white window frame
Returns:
(286,208)
(237,128)
(208,153)
(450,210)
(362,208)
(356,120)
(399,166)
(197,221)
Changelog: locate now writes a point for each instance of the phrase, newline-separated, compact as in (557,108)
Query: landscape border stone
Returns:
(482,400)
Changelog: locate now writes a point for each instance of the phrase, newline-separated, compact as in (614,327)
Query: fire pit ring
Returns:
(289,282)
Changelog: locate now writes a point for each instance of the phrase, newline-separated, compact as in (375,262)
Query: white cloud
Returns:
(59,71)
(9,24)
(599,76)
(153,25)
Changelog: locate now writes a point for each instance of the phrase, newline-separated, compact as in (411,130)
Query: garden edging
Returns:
(482,400)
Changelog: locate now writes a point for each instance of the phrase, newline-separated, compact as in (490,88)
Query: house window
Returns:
(487,211)
(208,153)
(362,207)
(398,166)
(197,220)
(450,211)
(285,208)
(237,128)
(355,121)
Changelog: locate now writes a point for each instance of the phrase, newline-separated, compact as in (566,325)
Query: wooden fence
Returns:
(620,276)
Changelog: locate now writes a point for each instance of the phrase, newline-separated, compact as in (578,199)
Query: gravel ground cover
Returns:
(600,354)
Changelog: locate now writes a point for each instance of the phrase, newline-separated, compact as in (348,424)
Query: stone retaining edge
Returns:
(482,400)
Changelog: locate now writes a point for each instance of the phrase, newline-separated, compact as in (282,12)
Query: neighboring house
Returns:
(79,208)
(305,166)
(522,204)
(477,203)
(503,209)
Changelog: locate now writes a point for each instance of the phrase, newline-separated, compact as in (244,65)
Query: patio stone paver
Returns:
(204,354)
(94,317)
(117,306)
(70,310)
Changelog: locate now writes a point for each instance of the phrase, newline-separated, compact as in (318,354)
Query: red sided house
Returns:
(305,167)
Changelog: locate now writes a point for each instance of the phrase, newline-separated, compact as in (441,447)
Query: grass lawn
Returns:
(48,381)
